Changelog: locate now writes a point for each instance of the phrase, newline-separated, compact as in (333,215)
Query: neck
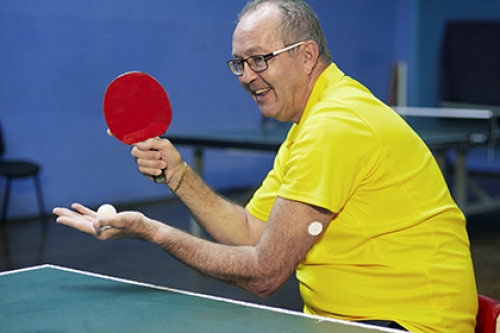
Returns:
(311,81)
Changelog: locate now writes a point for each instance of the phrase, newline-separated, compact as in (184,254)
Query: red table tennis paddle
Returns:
(137,108)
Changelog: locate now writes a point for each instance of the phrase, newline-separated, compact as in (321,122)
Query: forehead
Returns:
(256,32)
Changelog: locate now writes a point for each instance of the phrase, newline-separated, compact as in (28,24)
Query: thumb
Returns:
(146,145)
(151,144)
(102,223)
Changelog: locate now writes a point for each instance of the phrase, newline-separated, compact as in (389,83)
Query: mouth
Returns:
(261,92)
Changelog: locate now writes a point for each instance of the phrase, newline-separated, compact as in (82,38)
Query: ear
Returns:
(311,56)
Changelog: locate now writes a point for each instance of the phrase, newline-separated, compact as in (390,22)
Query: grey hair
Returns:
(298,23)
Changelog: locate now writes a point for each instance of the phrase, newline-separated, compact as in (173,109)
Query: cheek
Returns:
(292,84)
(283,82)
(283,91)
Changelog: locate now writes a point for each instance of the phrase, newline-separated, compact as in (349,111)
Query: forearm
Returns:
(225,221)
(242,266)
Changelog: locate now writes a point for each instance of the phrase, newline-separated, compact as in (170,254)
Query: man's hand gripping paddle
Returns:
(137,108)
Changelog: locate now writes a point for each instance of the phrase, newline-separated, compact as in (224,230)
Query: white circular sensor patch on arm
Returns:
(315,228)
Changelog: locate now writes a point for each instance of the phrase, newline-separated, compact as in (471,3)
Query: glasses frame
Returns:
(234,63)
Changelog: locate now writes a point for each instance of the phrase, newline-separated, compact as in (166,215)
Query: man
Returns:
(355,203)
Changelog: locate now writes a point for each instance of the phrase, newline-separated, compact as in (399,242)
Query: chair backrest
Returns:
(487,319)
(470,69)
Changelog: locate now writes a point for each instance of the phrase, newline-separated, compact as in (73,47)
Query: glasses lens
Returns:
(257,63)
(236,66)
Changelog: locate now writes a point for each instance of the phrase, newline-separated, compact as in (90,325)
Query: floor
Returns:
(26,245)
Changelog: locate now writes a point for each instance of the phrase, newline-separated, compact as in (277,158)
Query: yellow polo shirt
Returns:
(397,248)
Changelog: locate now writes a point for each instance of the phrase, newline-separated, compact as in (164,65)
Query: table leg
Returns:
(441,160)
(492,139)
(460,179)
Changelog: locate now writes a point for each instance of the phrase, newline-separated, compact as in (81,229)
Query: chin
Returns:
(267,113)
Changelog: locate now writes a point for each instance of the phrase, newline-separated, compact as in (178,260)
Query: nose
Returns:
(248,75)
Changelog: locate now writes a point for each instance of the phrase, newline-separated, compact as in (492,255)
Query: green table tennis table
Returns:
(55,299)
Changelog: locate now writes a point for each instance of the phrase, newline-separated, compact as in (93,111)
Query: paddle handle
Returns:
(160,179)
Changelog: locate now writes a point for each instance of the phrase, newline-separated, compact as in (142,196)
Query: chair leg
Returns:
(5,247)
(39,195)
(3,218)
(3,225)
(43,239)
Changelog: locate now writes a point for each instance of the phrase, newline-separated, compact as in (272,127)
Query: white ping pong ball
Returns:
(315,228)
(106,210)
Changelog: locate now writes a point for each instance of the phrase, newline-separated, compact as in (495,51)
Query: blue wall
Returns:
(56,58)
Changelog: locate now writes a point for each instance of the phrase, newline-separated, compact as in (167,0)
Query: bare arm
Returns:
(225,221)
(265,254)
(260,269)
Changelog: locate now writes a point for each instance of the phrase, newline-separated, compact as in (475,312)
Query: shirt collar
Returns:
(329,76)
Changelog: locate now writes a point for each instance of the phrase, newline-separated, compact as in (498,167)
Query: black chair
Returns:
(470,73)
(470,66)
(16,169)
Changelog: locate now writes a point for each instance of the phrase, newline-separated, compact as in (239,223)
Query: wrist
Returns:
(157,237)
(147,228)
(175,181)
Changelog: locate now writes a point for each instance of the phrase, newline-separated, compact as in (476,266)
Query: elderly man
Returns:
(355,202)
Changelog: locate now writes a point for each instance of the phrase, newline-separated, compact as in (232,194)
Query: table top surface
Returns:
(271,139)
(442,112)
(49,298)
(449,128)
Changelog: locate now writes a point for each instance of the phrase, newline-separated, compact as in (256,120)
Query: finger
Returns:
(126,224)
(147,145)
(80,223)
(156,144)
(108,132)
(149,159)
(61,211)
(101,228)
(103,234)
(145,154)
(150,163)
(103,223)
(104,229)
(156,169)
(84,210)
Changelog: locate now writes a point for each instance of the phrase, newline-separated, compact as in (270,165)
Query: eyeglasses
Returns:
(257,63)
